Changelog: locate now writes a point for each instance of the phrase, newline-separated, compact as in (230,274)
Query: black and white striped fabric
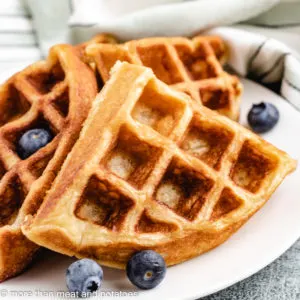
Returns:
(18,45)
(264,60)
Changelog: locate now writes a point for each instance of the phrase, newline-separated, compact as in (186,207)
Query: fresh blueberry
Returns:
(84,277)
(263,117)
(32,140)
(146,269)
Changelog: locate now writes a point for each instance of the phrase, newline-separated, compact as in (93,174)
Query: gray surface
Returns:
(278,281)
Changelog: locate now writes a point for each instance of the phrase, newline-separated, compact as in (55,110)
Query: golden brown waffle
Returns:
(192,66)
(154,170)
(97,39)
(55,94)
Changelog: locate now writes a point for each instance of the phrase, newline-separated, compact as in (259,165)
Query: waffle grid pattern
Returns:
(192,66)
(33,106)
(190,187)
(44,95)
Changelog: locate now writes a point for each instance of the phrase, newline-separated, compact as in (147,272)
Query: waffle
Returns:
(192,66)
(55,94)
(97,39)
(154,170)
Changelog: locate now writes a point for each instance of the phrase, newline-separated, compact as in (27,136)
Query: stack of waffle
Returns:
(152,167)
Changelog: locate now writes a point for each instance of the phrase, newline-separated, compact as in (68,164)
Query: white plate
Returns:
(265,237)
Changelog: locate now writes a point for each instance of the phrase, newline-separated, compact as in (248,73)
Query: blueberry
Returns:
(84,276)
(146,269)
(263,117)
(32,140)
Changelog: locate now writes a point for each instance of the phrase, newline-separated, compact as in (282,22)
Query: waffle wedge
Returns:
(192,66)
(55,94)
(154,170)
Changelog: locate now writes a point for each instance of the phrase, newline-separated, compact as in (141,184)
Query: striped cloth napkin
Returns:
(264,60)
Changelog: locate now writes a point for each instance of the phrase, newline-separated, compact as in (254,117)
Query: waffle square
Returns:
(193,66)
(56,95)
(154,170)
